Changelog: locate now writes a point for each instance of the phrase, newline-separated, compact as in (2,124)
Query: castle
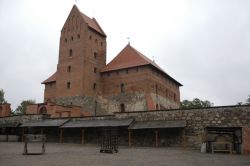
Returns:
(130,82)
(131,94)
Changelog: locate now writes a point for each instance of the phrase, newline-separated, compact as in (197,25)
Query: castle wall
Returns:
(198,119)
(141,86)
(16,119)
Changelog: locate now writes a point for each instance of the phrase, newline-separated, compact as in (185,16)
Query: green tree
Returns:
(21,109)
(2,99)
(196,103)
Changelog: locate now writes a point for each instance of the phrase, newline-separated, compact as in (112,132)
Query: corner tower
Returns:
(82,54)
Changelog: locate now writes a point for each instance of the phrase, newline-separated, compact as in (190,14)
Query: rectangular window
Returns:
(70,52)
(68,85)
(94,86)
(69,69)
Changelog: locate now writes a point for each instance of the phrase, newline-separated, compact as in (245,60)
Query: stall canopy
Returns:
(97,123)
(45,123)
(157,124)
(5,125)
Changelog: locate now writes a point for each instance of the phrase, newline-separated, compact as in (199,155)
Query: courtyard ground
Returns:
(86,155)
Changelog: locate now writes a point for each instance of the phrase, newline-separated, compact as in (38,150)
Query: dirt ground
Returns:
(86,155)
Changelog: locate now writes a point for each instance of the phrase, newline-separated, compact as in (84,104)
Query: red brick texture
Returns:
(5,110)
(246,140)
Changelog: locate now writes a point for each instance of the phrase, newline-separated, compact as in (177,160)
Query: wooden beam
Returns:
(61,135)
(82,136)
(129,138)
(156,138)
(23,130)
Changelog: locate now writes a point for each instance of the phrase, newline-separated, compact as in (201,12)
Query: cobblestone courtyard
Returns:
(76,155)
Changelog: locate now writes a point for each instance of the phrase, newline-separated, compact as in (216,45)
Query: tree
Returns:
(245,103)
(248,100)
(196,103)
(21,109)
(2,100)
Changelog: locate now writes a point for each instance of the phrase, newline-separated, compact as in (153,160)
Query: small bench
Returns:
(222,147)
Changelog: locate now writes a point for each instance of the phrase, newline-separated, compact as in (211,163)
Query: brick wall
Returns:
(5,110)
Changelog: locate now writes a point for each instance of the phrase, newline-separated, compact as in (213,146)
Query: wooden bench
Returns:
(227,147)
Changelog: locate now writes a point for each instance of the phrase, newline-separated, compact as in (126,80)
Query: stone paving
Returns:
(87,155)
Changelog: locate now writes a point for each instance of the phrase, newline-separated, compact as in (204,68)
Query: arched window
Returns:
(122,107)
(43,110)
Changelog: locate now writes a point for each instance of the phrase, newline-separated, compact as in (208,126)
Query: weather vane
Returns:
(128,40)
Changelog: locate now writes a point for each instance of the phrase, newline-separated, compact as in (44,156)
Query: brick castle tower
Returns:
(130,82)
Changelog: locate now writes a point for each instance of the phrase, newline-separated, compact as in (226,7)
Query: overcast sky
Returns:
(203,44)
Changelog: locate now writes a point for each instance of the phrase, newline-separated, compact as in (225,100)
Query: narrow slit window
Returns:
(95,55)
(70,52)
(68,85)
(69,69)
(122,88)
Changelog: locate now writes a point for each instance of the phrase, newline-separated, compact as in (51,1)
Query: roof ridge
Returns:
(147,59)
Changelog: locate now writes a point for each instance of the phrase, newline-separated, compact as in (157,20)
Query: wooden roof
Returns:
(97,123)
(157,124)
(45,123)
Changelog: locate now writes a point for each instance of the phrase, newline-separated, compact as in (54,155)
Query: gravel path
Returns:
(79,155)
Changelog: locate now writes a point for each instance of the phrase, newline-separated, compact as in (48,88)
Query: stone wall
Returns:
(197,119)
(19,119)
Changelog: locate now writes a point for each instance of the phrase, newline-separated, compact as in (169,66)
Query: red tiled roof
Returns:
(50,79)
(92,23)
(130,57)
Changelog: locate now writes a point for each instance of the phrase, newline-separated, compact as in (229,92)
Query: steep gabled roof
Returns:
(130,57)
(91,22)
(50,79)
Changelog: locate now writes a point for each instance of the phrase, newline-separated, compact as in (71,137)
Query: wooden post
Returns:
(41,131)
(129,138)
(7,137)
(183,133)
(23,134)
(61,135)
(82,136)
(156,138)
